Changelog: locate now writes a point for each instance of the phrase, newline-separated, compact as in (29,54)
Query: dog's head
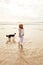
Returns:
(14,33)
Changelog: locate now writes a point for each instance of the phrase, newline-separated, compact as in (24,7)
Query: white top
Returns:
(21,32)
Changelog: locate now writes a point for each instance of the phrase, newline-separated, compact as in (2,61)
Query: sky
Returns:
(21,11)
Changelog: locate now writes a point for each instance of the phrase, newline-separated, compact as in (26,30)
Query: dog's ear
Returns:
(14,33)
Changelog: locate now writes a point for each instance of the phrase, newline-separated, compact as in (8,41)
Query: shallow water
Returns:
(33,34)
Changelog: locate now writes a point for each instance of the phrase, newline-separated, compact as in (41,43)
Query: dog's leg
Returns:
(14,40)
(9,39)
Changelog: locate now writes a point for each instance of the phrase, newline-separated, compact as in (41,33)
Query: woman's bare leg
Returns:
(18,44)
(21,46)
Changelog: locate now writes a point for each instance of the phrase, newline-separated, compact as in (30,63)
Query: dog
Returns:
(9,37)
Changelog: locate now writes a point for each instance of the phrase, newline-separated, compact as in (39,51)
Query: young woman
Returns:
(21,36)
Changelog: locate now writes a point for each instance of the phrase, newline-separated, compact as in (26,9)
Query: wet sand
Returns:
(32,53)
(9,55)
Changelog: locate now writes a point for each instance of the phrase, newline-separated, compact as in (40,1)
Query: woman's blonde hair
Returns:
(21,26)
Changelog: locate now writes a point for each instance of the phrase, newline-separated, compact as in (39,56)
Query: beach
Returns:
(32,53)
